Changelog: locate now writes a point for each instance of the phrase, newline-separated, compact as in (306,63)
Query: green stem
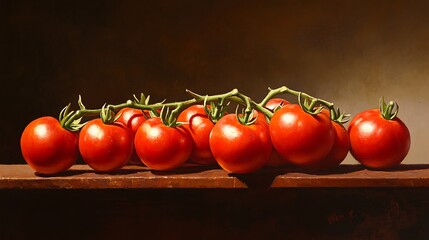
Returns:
(233,95)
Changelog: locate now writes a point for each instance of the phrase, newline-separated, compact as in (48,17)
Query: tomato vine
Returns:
(72,120)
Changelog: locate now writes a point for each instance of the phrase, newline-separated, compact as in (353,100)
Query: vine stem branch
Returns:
(233,95)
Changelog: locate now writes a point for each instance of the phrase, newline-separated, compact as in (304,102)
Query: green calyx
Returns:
(169,118)
(339,117)
(67,117)
(388,110)
(246,117)
(309,105)
(216,110)
(107,115)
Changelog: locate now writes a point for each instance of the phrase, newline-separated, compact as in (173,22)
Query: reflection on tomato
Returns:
(240,148)
(105,147)
(161,147)
(47,147)
(299,137)
(376,142)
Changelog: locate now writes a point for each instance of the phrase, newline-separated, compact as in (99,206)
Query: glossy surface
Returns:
(105,147)
(47,147)
(301,138)
(376,142)
(160,147)
(195,119)
(239,148)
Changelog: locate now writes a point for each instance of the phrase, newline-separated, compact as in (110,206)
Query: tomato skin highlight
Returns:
(301,138)
(132,118)
(161,147)
(105,147)
(199,126)
(378,143)
(47,147)
(239,148)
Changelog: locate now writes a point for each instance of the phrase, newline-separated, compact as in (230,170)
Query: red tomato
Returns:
(132,118)
(105,147)
(47,147)
(378,143)
(273,104)
(240,148)
(200,126)
(338,152)
(161,147)
(299,137)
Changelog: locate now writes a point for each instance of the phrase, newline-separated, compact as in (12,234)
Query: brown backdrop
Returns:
(349,52)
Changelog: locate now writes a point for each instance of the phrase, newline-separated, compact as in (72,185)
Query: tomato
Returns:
(299,137)
(274,104)
(47,147)
(105,147)
(199,125)
(161,147)
(132,118)
(376,142)
(240,148)
(339,150)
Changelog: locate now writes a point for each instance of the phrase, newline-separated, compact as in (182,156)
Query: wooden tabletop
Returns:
(192,176)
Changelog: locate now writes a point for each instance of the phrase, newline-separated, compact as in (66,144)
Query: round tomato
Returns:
(105,147)
(47,147)
(376,142)
(338,152)
(240,148)
(132,118)
(299,137)
(161,147)
(272,105)
(199,125)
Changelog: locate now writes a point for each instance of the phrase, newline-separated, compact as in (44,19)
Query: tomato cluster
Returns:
(308,137)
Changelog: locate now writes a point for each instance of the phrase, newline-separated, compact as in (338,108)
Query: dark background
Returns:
(348,52)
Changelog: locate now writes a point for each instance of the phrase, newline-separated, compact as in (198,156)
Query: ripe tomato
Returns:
(299,137)
(105,147)
(47,147)
(199,126)
(338,152)
(132,118)
(240,148)
(161,147)
(376,142)
(272,105)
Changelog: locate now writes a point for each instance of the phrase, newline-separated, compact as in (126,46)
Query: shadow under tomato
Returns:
(186,169)
(76,172)
(341,169)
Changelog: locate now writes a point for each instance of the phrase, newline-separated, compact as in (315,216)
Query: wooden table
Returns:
(195,202)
